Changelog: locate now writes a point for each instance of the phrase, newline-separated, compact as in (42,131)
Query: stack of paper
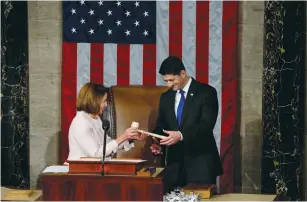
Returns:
(56,169)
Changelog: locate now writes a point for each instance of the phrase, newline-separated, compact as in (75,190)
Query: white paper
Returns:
(88,159)
(126,160)
(56,169)
(112,160)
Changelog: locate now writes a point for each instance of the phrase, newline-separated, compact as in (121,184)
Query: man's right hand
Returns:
(155,147)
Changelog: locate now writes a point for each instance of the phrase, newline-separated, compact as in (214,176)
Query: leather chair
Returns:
(134,103)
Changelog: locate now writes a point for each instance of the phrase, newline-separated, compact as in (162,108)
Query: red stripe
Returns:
(175,28)
(123,64)
(96,71)
(69,93)
(202,41)
(229,101)
(149,64)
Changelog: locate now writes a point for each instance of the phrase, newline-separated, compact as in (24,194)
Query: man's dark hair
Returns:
(171,65)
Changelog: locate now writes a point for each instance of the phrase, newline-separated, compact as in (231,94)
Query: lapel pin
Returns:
(191,94)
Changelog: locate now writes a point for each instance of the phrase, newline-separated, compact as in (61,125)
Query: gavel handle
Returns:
(152,134)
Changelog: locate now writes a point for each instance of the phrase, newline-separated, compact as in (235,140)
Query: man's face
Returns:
(175,81)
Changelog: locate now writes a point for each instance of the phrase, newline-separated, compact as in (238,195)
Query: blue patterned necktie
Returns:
(180,107)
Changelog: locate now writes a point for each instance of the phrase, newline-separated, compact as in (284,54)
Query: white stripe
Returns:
(189,36)
(215,61)
(83,64)
(136,64)
(162,22)
(110,65)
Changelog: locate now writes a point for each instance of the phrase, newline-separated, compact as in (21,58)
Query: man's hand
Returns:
(155,147)
(172,138)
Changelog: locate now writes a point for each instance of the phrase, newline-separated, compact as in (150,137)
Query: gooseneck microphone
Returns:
(105,127)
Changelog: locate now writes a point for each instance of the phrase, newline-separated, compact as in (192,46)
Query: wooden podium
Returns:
(84,182)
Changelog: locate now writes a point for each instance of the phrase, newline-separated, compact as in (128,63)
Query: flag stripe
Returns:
(96,55)
(149,64)
(162,36)
(202,41)
(110,69)
(228,94)
(69,92)
(136,64)
(123,61)
(175,28)
(215,60)
(83,64)
(189,36)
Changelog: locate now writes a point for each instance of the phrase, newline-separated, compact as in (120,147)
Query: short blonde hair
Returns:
(90,96)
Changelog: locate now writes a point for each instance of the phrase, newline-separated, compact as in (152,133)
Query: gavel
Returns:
(135,125)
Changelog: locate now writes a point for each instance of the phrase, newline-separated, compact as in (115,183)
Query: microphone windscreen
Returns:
(105,124)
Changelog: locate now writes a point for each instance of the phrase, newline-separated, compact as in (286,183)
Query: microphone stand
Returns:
(105,127)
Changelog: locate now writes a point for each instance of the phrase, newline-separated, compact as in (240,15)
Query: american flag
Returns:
(125,42)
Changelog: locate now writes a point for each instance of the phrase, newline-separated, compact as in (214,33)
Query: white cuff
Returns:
(113,146)
(126,145)
(181,136)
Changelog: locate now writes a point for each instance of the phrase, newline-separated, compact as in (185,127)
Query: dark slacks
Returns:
(196,170)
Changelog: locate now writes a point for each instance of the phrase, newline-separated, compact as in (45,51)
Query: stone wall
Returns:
(45,56)
(250,57)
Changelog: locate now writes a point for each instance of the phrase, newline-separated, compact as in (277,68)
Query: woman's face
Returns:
(103,104)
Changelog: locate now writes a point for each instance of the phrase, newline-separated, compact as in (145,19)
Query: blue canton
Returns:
(125,22)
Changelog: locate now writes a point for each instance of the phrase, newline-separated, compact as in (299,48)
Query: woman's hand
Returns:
(130,134)
(127,135)
(139,136)
(136,135)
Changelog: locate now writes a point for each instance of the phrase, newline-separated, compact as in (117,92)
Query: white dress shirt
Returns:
(178,97)
(86,138)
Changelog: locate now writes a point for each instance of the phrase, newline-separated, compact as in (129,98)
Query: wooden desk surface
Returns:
(157,174)
(37,196)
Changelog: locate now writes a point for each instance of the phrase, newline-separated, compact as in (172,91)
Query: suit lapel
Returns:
(188,105)
(172,110)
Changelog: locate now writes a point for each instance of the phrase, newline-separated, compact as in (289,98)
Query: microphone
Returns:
(105,127)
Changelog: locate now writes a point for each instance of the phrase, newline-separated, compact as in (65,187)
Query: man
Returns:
(187,116)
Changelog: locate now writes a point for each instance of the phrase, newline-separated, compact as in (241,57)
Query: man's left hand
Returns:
(172,138)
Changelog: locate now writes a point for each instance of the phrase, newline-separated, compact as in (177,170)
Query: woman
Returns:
(86,133)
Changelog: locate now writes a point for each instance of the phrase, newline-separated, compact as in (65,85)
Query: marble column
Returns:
(283,98)
(14,95)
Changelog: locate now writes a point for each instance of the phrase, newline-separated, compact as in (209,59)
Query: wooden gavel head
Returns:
(135,125)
